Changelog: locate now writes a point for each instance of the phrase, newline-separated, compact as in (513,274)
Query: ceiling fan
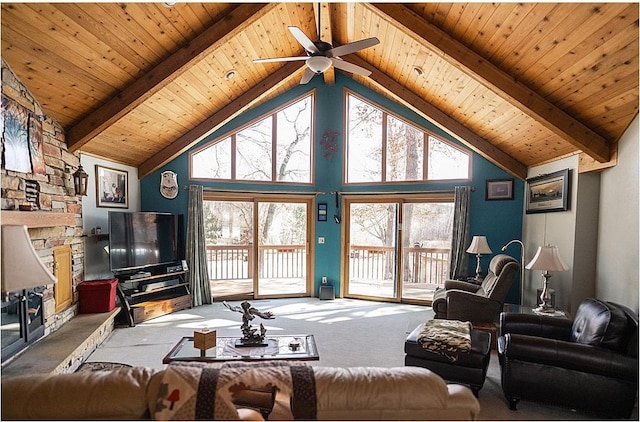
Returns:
(322,55)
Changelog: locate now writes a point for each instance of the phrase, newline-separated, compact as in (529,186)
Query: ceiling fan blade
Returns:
(352,47)
(303,39)
(349,67)
(308,74)
(280,59)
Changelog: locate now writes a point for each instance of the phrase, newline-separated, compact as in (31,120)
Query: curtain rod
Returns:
(271,192)
(407,192)
(281,192)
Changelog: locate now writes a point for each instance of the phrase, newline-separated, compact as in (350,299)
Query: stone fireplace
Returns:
(56,221)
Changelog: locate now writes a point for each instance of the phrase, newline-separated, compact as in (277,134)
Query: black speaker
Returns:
(326,293)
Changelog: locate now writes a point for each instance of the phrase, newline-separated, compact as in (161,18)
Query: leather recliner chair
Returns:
(590,363)
(464,301)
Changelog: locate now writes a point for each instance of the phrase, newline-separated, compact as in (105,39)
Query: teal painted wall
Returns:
(500,221)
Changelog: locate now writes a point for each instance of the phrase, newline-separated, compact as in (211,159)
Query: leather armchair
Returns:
(590,363)
(464,301)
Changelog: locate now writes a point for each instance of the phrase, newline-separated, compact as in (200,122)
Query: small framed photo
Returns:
(548,192)
(322,211)
(112,187)
(499,189)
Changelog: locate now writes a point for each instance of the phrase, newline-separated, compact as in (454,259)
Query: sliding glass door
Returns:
(372,249)
(230,254)
(258,247)
(426,248)
(282,248)
(397,249)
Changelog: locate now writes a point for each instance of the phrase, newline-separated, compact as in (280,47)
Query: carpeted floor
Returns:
(347,332)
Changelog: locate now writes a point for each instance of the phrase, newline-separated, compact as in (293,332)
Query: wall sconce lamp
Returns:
(21,267)
(478,247)
(80,181)
(546,259)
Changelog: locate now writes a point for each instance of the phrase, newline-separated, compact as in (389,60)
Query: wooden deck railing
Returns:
(235,262)
(229,262)
(421,265)
(426,265)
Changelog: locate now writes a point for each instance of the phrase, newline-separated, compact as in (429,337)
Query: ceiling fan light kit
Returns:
(318,64)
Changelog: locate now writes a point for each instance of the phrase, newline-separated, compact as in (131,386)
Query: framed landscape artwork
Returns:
(548,192)
(112,188)
(499,189)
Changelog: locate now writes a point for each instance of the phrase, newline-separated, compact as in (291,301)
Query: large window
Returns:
(383,148)
(273,148)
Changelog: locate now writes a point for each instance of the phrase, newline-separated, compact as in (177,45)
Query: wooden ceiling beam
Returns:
(525,99)
(325,33)
(465,135)
(166,72)
(224,115)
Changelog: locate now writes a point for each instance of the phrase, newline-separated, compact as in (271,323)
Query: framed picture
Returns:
(499,189)
(322,211)
(112,187)
(548,192)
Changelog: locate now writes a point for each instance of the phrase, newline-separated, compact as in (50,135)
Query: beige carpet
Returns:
(347,332)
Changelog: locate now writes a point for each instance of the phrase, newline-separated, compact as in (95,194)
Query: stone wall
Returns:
(56,195)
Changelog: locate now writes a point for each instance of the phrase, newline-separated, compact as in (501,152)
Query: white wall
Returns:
(598,237)
(553,228)
(618,246)
(96,259)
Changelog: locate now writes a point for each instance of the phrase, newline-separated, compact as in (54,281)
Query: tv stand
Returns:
(152,294)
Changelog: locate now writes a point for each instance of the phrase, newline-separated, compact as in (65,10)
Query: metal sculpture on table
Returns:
(250,336)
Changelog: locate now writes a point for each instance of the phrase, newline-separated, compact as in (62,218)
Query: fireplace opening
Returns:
(22,321)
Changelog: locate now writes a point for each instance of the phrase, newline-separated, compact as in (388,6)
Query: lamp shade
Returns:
(21,266)
(319,64)
(479,245)
(547,258)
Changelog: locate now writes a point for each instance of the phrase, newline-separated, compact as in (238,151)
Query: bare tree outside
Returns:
(276,148)
(391,150)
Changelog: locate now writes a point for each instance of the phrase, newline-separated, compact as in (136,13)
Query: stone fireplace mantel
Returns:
(34,219)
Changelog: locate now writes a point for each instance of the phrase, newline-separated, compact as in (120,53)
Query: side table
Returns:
(521,309)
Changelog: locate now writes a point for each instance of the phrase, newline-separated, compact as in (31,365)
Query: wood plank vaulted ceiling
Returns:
(519,83)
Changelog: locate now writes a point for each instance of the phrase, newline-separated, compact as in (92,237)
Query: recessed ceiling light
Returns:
(230,74)
(169,3)
(417,70)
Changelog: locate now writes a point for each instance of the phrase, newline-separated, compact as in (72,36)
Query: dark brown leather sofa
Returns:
(590,363)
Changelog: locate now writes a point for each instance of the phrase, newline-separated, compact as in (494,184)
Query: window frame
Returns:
(386,113)
(232,135)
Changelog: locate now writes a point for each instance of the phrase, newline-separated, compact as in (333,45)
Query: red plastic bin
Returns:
(97,296)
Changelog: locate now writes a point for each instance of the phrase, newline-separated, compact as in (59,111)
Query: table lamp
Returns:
(478,247)
(546,259)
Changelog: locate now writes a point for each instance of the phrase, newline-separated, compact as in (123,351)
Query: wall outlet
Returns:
(324,279)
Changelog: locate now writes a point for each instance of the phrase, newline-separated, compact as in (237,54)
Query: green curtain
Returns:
(198,275)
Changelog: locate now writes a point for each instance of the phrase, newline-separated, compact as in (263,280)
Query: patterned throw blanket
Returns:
(196,391)
(445,337)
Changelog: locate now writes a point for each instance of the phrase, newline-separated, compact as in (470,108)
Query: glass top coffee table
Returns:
(281,347)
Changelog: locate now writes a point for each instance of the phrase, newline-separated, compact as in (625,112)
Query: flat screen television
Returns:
(139,240)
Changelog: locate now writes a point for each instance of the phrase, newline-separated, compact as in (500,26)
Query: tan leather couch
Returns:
(403,393)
